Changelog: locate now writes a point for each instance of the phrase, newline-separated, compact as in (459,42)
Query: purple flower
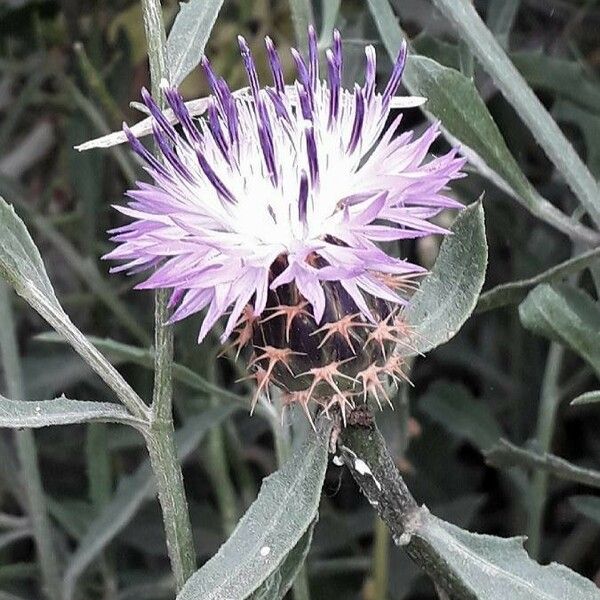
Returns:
(303,177)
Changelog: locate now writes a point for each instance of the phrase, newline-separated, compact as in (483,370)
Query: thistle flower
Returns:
(270,210)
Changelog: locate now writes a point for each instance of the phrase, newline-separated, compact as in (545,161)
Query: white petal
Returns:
(407,101)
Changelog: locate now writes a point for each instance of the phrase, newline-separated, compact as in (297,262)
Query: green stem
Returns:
(381,560)
(218,467)
(549,402)
(160,440)
(173,503)
(302,17)
(27,453)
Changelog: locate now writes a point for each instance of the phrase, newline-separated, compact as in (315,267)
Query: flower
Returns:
(284,185)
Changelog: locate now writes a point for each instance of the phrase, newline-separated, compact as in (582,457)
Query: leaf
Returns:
(285,508)
(484,567)
(119,352)
(515,291)
(61,411)
(532,112)
(454,100)
(504,454)
(22,267)
(132,492)
(588,506)
(452,406)
(449,294)
(276,587)
(188,36)
(567,315)
(587,398)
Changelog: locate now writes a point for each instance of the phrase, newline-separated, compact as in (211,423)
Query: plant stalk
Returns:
(27,454)
(160,439)
(549,402)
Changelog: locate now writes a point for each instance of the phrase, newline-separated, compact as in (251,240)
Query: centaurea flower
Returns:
(270,209)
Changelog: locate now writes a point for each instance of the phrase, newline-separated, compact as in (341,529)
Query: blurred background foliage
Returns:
(68,71)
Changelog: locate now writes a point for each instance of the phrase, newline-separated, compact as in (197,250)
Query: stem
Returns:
(27,453)
(549,402)
(381,560)
(218,468)
(173,503)
(302,17)
(160,440)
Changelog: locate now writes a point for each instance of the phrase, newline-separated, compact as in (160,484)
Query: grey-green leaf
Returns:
(588,506)
(567,315)
(484,567)
(188,36)
(587,398)
(454,100)
(22,267)
(133,491)
(61,411)
(452,406)
(277,586)
(449,294)
(285,508)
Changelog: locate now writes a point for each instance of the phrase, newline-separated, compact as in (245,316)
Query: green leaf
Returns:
(587,398)
(515,291)
(454,100)
(588,506)
(529,108)
(188,36)
(285,508)
(278,584)
(484,567)
(22,267)
(119,352)
(504,454)
(452,406)
(61,411)
(449,294)
(132,492)
(567,315)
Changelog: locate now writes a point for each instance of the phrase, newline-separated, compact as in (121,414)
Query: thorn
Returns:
(342,400)
(394,367)
(290,313)
(372,384)
(383,332)
(262,383)
(245,331)
(342,327)
(327,374)
(400,283)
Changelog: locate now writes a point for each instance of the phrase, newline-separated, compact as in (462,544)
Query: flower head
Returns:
(284,185)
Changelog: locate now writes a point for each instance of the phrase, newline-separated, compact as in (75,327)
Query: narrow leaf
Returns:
(285,508)
(449,294)
(188,36)
(504,455)
(515,89)
(133,491)
(567,315)
(484,567)
(587,398)
(61,411)
(22,267)
(454,100)
(515,291)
